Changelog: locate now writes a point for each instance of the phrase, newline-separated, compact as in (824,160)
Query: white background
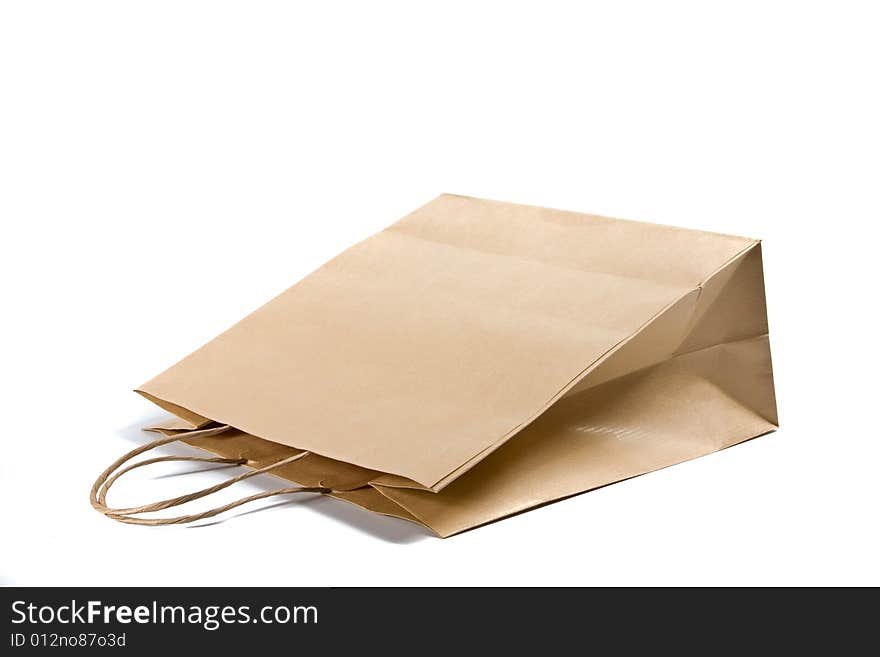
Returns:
(166,167)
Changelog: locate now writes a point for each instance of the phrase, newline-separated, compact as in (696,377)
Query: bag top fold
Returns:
(420,350)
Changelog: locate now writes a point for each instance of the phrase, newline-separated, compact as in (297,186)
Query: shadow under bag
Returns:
(477,359)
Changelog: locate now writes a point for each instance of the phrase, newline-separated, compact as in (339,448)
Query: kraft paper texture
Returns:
(477,359)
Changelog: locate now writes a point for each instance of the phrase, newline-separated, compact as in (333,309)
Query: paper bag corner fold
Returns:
(478,358)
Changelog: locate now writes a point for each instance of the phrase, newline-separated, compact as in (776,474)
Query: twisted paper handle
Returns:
(98,495)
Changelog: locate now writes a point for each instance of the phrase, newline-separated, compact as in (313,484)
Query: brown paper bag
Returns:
(477,359)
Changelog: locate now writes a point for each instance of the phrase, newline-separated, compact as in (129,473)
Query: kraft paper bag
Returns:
(477,359)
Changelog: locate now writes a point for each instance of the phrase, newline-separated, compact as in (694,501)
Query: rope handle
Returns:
(98,494)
